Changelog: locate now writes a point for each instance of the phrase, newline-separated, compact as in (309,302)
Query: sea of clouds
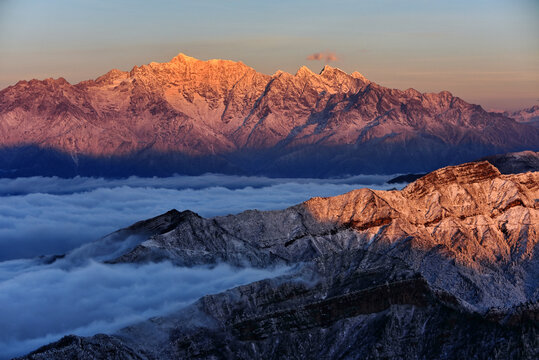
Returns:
(51,215)
(79,294)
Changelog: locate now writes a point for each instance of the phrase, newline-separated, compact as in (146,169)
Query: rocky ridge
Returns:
(510,163)
(192,116)
(445,268)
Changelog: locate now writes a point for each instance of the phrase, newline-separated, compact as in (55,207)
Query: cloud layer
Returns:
(56,185)
(40,304)
(52,216)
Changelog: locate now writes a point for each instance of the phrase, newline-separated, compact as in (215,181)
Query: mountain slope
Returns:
(353,310)
(217,115)
(468,218)
(445,268)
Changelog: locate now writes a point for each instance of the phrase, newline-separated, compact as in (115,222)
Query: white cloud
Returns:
(56,185)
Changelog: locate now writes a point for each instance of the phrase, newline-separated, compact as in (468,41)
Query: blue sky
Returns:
(487,52)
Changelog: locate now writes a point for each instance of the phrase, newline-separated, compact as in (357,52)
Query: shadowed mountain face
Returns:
(190,116)
(445,268)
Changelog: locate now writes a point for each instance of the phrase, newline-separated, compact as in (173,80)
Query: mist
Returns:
(39,304)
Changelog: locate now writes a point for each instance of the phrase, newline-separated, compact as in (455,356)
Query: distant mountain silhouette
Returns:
(190,116)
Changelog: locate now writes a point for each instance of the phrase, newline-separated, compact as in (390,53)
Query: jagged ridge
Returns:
(232,117)
(445,268)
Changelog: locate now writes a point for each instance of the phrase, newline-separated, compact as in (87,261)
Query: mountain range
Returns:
(189,116)
(446,268)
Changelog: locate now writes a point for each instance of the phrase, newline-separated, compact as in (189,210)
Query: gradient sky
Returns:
(485,51)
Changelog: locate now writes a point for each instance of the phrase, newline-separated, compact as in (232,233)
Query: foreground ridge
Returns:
(445,268)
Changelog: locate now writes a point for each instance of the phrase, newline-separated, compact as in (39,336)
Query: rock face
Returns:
(445,268)
(191,116)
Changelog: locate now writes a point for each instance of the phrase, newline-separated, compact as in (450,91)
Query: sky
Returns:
(485,51)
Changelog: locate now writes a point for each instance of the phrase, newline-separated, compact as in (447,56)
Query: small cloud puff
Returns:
(326,56)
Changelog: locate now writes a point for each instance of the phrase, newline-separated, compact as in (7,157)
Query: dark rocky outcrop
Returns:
(406,178)
(514,163)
